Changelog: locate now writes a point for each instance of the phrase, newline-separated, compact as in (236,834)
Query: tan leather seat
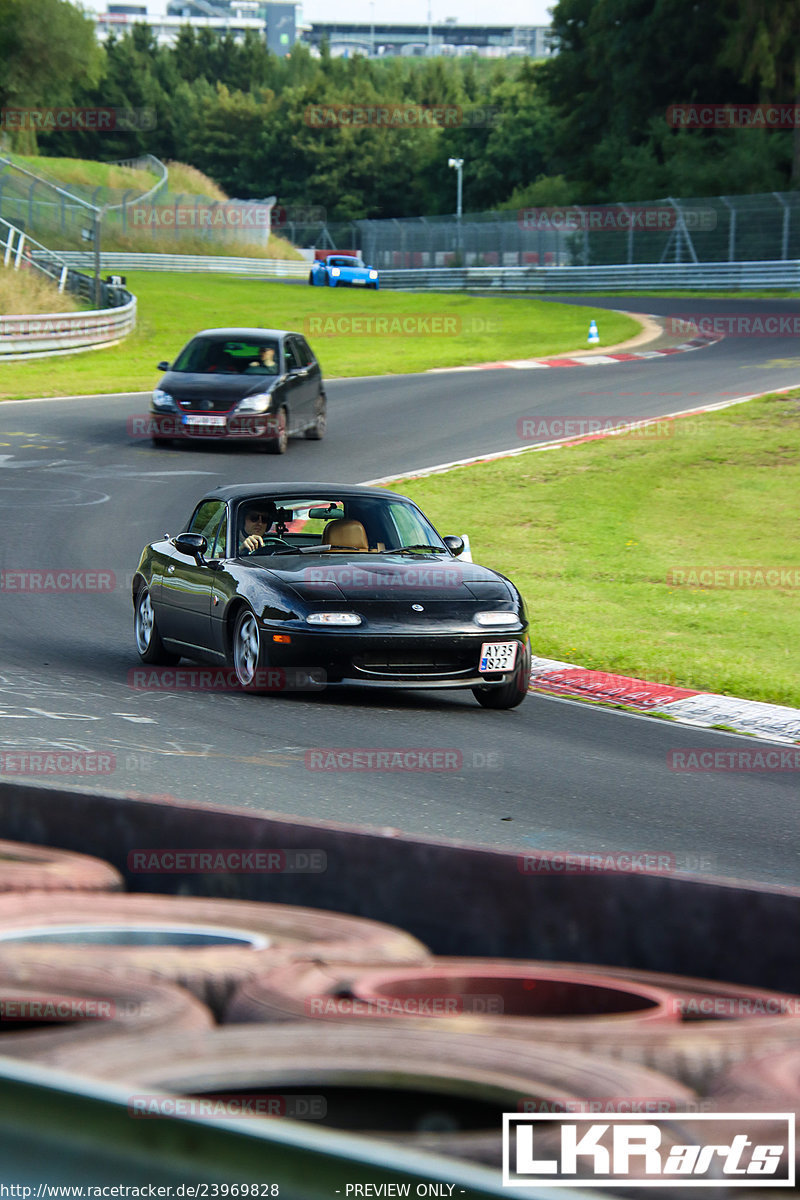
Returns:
(345,535)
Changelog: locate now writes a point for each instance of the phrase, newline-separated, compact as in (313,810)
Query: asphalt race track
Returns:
(78,491)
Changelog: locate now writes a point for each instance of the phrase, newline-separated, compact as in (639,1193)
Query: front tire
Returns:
(511,694)
(280,443)
(311,278)
(246,649)
(148,640)
(316,432)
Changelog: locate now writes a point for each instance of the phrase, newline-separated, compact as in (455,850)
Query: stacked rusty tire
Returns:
(764,1083)
(209,946)
(636,1016)
(381,1078)
(44,1008)
(26,868)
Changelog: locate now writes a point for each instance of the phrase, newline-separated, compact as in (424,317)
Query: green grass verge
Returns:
(173,307)
(87,172)
(590,534)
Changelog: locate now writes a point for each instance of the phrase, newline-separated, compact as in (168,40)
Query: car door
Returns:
(187,585)
(301,386)
(314,369)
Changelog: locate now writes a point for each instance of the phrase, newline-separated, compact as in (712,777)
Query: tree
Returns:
(764,49)
(47,47)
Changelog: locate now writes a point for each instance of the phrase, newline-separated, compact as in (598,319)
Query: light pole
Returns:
(458,163)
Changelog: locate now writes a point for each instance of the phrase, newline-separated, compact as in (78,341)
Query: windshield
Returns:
(340,524)
(228,356)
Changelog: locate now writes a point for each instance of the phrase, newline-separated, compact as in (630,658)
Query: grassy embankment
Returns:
(25,292)
(183,181)
(172,307)
(591,535)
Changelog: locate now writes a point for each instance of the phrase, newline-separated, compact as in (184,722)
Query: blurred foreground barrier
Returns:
(415,1087)
(456,899)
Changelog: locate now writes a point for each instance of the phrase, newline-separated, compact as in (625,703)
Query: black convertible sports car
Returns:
(258,385)
(352,584)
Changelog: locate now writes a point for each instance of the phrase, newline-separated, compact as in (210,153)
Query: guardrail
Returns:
(266,268)
(64,333)
(648,277)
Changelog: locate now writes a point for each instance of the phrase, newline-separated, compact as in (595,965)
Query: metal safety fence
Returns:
(19,251)
(647,277)
(262,268)
(717,229)
(74,215)
(48,334)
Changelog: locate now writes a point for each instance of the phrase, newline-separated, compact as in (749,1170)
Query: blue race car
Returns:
(343,270)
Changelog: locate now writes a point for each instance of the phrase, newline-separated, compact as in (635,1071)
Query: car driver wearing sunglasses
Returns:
(256,524)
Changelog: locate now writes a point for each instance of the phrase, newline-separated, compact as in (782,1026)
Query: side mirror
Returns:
(193,545)
(163,366)
(459,546)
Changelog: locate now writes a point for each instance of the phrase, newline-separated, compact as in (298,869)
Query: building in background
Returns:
(448,38)
(277,21)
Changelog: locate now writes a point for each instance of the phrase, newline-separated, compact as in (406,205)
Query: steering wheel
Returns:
(277,541)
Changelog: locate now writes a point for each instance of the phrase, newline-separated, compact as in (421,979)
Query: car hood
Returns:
(214,392)
(364,577)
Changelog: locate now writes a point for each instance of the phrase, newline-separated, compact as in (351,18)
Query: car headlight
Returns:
(334,618)
(163,401)
(497,618)
(373,274)
(254,404)
(335,271)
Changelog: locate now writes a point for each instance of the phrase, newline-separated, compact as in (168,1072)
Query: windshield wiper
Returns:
(302,550)
(408,549)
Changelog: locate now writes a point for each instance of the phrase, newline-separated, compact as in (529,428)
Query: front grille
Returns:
(416,664)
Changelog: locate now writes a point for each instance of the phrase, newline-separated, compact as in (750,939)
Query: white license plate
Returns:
(204,422)
(358,282)
(497,656)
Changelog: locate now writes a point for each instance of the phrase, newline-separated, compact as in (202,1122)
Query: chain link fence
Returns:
(719,229)
(72,217)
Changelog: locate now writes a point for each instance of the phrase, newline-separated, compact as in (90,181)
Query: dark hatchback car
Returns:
(254,385)
(352,583)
